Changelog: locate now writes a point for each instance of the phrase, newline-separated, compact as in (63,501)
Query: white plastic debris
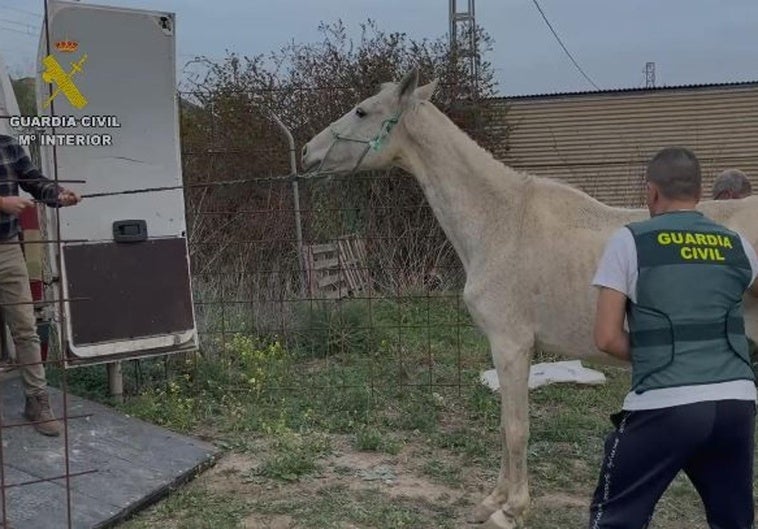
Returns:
(550,373)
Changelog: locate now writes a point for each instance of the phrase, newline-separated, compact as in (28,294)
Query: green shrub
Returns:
(333,328)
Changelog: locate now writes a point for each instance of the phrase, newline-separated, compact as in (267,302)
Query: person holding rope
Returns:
(678,279)
(17,170)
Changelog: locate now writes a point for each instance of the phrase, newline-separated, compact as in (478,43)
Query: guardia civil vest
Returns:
(686,326)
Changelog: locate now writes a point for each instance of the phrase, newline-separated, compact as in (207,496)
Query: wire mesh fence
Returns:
(371,254)
(369,298)
(334,309)
(23,309)
(337,312)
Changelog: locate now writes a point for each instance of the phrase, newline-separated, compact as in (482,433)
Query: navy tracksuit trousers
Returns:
(712,442)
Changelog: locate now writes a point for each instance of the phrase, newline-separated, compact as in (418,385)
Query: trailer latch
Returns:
(130,231)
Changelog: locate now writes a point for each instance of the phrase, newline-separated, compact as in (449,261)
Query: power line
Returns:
(549,25)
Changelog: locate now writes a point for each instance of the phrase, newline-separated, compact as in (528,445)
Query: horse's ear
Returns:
(407,86)
(425,93)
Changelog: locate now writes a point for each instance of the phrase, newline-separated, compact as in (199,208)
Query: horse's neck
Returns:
(472,194)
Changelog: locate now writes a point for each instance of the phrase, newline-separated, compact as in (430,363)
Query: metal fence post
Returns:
(295,196)
(116,381)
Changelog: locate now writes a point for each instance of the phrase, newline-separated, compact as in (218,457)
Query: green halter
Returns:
(376,143)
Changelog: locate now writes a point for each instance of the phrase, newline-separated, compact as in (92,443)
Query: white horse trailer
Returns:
(124,260)
(8,102)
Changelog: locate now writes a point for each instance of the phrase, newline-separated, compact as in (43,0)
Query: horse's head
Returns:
(363,137)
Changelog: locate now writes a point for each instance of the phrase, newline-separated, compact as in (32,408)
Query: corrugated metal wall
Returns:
(600,142)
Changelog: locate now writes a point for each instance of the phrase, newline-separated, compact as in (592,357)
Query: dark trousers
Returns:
(712,442)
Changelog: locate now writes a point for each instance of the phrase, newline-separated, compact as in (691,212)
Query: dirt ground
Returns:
(376,482)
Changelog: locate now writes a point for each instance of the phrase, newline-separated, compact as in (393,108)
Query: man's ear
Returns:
(653,194)
(425,93)
(407,87)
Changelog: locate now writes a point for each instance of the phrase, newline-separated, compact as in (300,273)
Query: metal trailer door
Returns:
(127,283)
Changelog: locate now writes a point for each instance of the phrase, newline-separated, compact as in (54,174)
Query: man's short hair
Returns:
(733,182)
(676,172)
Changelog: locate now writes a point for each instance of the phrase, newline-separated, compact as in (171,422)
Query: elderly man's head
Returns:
(731,183)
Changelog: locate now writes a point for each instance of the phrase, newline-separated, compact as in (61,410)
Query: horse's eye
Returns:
(360,112)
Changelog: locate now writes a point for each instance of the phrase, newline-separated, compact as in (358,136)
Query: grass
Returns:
(336,507)
(304,420)
(294,456)
(372,439)
(195,508)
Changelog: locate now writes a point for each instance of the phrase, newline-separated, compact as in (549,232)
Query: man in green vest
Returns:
(678,280)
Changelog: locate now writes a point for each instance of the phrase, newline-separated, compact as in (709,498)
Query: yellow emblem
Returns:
(55,74)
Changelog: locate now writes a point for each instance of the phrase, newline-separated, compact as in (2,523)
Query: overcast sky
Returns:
(691,41)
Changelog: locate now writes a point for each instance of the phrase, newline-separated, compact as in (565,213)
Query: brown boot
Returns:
(38,409)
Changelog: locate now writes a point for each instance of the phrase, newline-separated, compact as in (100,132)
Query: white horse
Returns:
(529,247)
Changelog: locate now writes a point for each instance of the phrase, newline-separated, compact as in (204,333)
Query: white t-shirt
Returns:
(618,270)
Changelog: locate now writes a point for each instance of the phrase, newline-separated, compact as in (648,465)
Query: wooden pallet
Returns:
(338,269)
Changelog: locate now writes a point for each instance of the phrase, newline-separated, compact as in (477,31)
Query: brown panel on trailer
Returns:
(132,290)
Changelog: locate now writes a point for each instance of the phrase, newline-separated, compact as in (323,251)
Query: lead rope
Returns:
(376,143)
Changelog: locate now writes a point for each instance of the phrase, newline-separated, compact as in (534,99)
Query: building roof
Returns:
(601,141)
(622,91)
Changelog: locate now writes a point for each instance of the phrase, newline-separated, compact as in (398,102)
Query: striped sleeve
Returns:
(31,179)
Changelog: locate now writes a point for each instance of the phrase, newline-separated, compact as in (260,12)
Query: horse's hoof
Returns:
(499,520)
(483,512)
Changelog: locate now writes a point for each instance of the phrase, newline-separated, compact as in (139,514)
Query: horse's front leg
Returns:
(510,499)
